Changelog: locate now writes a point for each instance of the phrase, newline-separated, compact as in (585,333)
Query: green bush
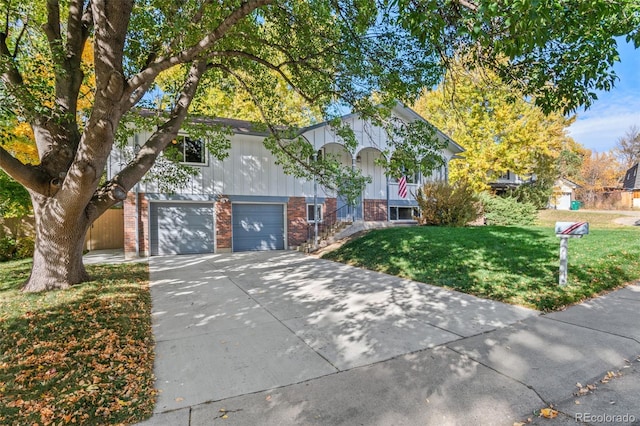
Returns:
(11,249)
(25,247)
(507,211)
(536,193)
(7,248)
(448,205)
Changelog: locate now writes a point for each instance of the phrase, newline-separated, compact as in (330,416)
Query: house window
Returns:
(188,150)
(403,213)
(311,216)
(506,175)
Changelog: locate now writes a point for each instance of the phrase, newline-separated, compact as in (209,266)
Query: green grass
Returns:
(79,356)
(597,220)
(517,265)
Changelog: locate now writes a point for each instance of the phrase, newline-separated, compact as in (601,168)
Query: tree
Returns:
(599,172)
(330,53)
(627,148)
(14,198)
(499,128)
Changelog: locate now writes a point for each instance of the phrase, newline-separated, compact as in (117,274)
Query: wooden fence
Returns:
(107,232)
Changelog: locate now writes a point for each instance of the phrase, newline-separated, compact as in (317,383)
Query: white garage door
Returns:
(181,228)
(258,227)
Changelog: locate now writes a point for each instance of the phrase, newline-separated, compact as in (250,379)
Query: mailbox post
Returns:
(566,230)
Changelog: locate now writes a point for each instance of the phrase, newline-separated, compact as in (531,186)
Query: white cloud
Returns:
(600,127)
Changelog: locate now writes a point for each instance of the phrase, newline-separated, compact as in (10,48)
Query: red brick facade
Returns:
(223,224)
(330,206)
(375,210)
(297,228)
(129,206)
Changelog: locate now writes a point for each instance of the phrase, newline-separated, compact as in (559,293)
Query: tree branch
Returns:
(164,63)
(52,27)
(469,5)
(77,32)
(107,195)
(273,67)
(31,177)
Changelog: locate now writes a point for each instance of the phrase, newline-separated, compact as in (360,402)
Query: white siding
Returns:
(250,169)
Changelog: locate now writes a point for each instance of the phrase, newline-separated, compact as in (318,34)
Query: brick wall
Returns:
(223,225)
(375,210)
(330,206)
(130,219)
(297,229)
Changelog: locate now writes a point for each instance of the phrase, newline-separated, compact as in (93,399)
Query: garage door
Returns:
(181,228)
(258,227)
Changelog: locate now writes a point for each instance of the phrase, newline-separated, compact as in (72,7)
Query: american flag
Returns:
(402,187)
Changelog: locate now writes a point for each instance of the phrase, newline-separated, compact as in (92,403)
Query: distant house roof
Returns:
(568,183)
(631,179)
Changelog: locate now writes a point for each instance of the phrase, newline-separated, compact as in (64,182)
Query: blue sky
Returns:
(609,118)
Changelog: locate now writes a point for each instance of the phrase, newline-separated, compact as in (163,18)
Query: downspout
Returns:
(388,206)
(315,204)
(353,168)
(137,230)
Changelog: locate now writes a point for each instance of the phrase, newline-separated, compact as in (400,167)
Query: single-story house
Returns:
(563,194)
(246,201)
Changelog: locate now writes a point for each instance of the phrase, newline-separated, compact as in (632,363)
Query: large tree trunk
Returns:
(57,258)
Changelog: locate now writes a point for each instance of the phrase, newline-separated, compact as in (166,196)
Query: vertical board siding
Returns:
(107,232)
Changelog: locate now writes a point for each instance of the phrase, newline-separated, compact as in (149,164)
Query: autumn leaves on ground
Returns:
(81,356)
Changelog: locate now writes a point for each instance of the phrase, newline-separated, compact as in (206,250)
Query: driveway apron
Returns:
(233,324)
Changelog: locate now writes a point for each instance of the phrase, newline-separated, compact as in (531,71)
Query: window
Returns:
(311,217)
(403,213)
(187,150)
(506,175)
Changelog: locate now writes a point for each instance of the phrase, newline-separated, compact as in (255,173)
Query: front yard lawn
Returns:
(517,265)
(79,356)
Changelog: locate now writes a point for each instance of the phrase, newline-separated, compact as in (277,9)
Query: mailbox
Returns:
(566,230)
(572,228)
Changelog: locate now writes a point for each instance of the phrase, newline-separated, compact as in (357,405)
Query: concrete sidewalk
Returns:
(279,338)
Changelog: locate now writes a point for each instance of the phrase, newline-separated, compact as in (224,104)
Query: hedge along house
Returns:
(246,201)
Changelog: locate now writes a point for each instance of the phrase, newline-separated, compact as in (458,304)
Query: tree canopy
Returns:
(331,53)
(501,130)
(627,147)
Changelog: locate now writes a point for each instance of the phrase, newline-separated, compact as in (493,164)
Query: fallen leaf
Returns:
(179,399)
(549,413)
(268,398)
(577,402)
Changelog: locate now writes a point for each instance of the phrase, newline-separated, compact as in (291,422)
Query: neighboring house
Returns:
(632,183)
(508,181)
(563,194)
(246,201)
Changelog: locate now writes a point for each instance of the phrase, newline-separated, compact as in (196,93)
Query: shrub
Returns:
(507,211)
(536,193)
(11,249)
(448,205)
(7,248)
(24,247)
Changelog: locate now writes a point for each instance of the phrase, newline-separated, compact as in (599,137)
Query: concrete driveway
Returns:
(233,324)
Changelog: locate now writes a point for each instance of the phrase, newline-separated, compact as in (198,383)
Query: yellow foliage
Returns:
(499,129)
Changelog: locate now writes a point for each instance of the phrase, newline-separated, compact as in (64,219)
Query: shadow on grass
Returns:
(511,264)
(82,355)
